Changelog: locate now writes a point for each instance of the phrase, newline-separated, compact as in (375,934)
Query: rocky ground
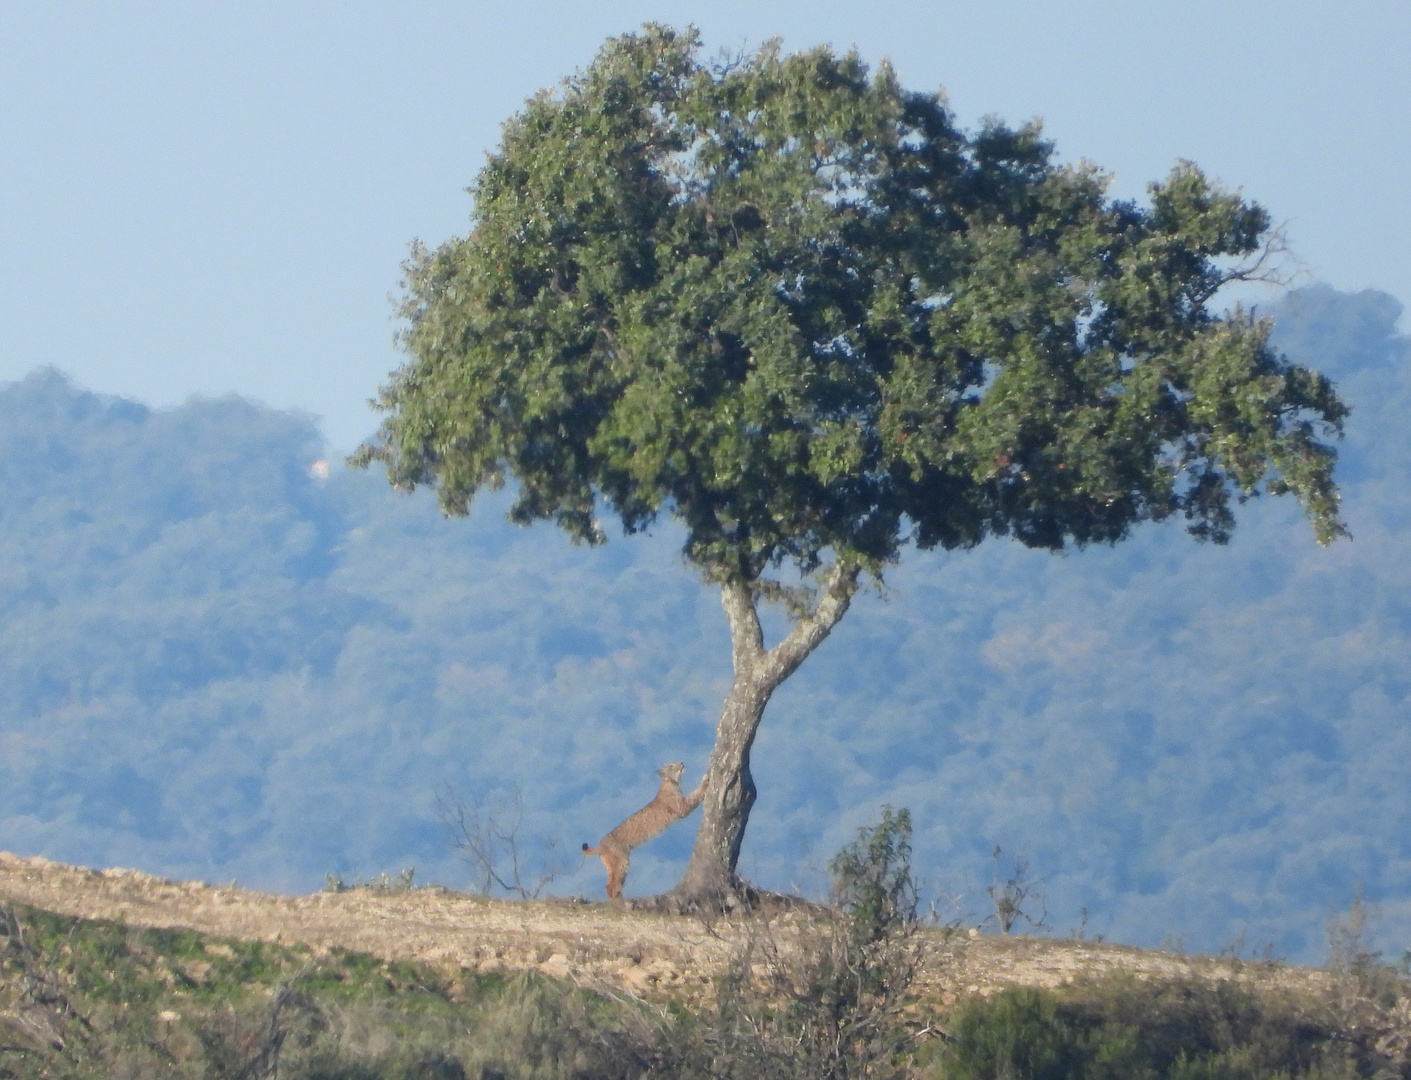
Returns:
(637,952)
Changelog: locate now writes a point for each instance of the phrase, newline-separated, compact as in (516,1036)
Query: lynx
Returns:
(646,824)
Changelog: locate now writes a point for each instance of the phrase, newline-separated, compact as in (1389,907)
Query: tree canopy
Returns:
(203,643)
(797,307)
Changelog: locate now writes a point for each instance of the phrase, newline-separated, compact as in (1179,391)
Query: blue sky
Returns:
(216,197)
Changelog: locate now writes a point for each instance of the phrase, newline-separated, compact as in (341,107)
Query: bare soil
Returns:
(597,944)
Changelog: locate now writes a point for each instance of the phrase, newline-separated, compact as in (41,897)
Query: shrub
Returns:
(828,1000)
(1122,1027)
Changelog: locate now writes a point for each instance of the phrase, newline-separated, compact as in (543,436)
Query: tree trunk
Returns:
(730,792)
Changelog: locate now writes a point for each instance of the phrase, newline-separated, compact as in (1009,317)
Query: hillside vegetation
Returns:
(219,664)
(89,998)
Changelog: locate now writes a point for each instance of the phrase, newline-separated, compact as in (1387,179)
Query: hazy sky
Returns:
(202,198)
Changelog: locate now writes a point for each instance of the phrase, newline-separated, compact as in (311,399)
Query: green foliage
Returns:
(1017,1033)
(82,999)
(791,304)
(872,879)
(1134,1029)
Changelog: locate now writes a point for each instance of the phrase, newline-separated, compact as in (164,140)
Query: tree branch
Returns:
(746,637)
(839,586)
(1265,268)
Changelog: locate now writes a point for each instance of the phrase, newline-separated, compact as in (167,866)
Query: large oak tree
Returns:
(793,306)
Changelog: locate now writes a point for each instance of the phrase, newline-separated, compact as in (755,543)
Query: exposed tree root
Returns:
(740,898)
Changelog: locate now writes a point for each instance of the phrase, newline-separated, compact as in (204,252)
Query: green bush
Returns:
(1184,1029)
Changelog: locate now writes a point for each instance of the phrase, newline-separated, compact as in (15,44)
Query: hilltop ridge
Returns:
(596,944)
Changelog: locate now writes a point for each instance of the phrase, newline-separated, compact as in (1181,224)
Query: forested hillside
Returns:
(220,663)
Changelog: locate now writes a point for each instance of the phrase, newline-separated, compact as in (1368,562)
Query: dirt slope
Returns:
(637,952)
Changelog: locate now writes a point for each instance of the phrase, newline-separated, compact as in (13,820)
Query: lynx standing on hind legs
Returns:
(670,805)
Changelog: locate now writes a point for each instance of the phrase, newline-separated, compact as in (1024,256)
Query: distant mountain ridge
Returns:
(220,665)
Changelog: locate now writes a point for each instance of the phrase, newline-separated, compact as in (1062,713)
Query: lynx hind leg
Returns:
(616,863)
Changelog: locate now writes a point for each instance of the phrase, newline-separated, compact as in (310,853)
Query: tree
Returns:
(793,306)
